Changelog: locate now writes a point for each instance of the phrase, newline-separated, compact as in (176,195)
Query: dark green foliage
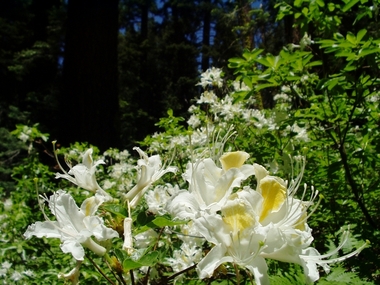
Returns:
(339,276)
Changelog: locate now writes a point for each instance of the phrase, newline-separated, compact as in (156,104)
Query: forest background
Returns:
(104,72)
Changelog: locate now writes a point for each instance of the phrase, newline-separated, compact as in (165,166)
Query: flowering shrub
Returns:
(219,198)
(203,207)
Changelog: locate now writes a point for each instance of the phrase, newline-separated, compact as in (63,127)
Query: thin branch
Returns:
(119,276)
(353,186)
(132,277)
(180,272)
(100,270)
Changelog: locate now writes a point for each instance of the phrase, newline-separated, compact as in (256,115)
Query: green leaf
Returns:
(330,84)
(349,5)
(266,85)
(149,259)
(164,222)
(321,3)
(264,62)
(129,264)
(314,63)
(292,78)
(236,60)
(116,209)
(327,43)
(345,54)
(331,7)
(367,51)
(361,34)
(298,3)
(120,254)
(252,55)
(247,81)
(351,38)
(143,219)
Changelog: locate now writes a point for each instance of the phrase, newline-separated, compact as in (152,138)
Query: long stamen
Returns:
(344,257)
(314,208)
(319,259)
(218,148)
(56,158)
(295,183)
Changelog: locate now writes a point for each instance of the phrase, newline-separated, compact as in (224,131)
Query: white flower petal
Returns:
(214,258)
(73,247)
(259,270)
(47,229)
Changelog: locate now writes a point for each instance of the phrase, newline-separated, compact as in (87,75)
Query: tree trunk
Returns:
(206,35)
(89,101)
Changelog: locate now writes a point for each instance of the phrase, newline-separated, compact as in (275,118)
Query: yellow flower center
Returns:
(88,208)
(237,216)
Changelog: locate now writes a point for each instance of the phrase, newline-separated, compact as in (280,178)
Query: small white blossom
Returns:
(282,97)
(8,204)
(25,134)
(305,41)
(211,77)
(285,89)
(208,97)
(304,78)
(193,121)
(28,272)
(16,276)
(159,196)
(6,265)
(240,86)
(150,170)
(301,133)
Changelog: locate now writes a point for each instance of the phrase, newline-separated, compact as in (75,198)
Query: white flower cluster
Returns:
(250,225)
(77,227)
(211,78)
(243,224)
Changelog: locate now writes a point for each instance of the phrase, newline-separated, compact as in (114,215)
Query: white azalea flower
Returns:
(209,185)
(288,234)
(6,265)
(185,257)
(16,276)
(208,97)
(74,226)
(150,170)
(211,76)
(83,174)
(28,273)
(269,222)
(158,198)
(236,236)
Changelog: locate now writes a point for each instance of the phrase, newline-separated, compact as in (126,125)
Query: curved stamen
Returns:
(56,158)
